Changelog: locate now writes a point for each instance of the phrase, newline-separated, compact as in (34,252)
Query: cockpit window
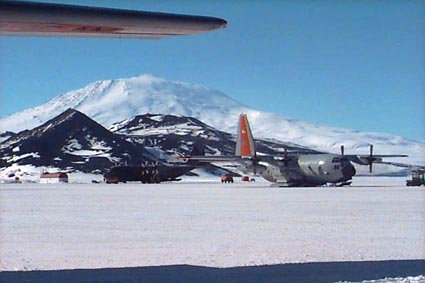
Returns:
(336,160)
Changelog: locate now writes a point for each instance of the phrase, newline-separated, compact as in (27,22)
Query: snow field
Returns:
(70,226)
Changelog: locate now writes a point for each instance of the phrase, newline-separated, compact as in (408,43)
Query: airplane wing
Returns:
(20,18)
(370,159)
(213,158)
(229,158)
(417,168)
(366,159)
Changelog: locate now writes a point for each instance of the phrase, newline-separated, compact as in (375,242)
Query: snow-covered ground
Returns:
(237,230)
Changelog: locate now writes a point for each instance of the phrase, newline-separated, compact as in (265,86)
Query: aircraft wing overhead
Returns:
(46,19)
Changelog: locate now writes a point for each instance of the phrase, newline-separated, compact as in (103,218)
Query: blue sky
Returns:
(351,64)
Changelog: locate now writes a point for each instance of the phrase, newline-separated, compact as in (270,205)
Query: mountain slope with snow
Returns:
(115,100)
(70,141)
(173,134)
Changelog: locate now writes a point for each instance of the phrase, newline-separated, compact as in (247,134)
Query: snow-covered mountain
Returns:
(116,100)
(178,134)
(71,141)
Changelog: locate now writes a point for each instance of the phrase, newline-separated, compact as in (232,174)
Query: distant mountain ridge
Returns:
(72,141)
(117,100)
(180,133)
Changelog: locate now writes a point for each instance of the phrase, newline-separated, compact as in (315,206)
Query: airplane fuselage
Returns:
(306,170)
(146,173)
(293,169)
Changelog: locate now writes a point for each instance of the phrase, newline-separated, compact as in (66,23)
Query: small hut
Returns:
(53,178)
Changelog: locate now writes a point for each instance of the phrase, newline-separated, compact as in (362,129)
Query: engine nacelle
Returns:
(366,160)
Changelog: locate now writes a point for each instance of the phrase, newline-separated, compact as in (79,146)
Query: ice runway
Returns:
(92,226)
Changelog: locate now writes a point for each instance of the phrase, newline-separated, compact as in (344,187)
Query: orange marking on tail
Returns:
(245,146)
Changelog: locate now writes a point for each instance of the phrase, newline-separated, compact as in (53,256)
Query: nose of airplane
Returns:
(348,170)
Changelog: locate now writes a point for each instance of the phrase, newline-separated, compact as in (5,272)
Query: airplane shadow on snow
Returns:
(297,272)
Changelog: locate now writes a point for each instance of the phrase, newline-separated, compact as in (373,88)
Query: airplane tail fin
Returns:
(198,150)
(245,142)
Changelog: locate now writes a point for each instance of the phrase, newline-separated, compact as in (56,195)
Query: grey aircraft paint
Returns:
(293,169)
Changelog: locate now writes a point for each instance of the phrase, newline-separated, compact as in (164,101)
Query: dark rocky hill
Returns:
(179,134)
(71,141)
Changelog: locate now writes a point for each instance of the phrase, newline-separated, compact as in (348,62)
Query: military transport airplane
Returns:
(146,173)
(293,169)
(22,18)
(154,171)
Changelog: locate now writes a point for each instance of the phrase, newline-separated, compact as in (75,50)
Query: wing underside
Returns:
(46,19)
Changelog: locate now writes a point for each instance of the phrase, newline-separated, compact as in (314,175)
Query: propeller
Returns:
(145,168)
(285,156)
(254,161)
(370,160)
(342,155)
(153,142)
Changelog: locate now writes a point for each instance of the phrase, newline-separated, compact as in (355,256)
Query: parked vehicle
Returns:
(247,179)
(417,179)
(225,178)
